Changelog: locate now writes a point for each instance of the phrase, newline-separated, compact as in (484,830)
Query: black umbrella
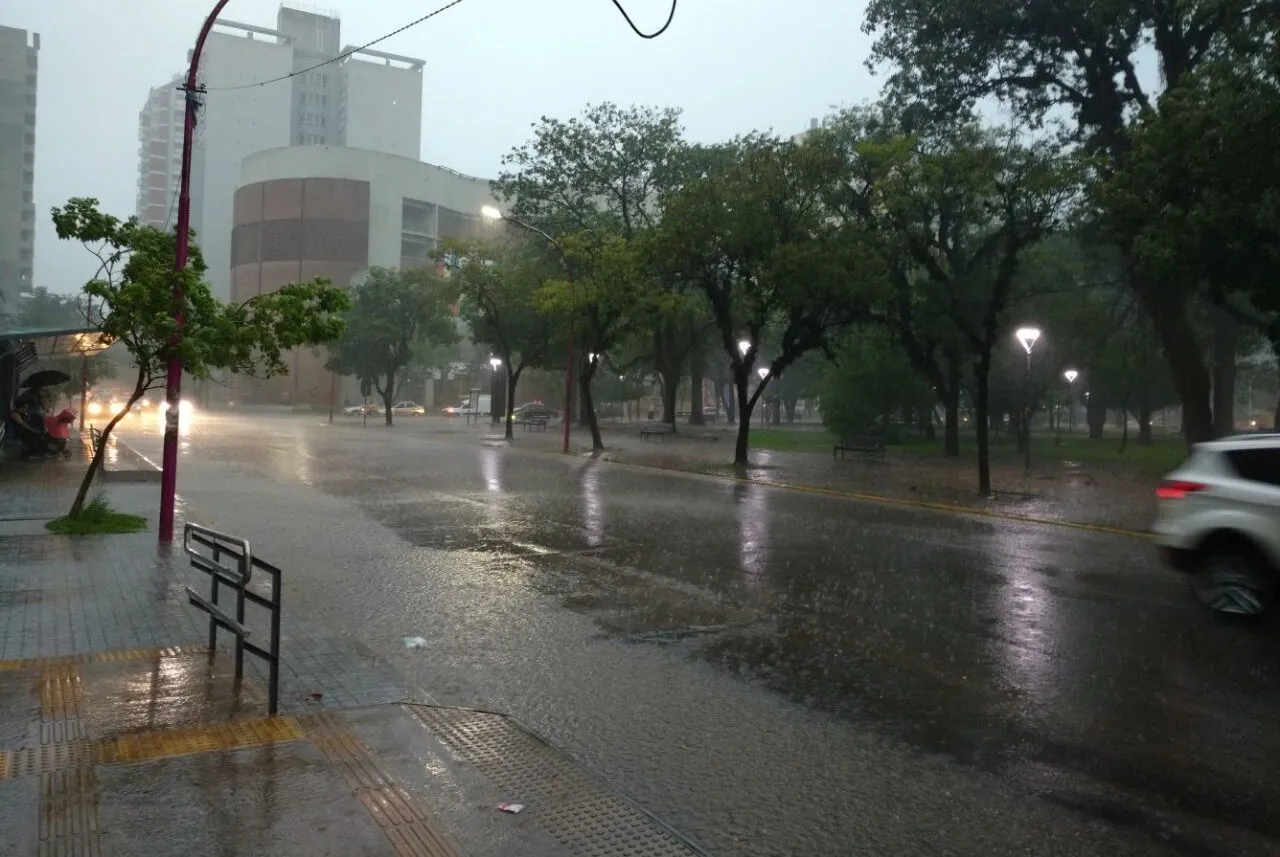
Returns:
(47,378)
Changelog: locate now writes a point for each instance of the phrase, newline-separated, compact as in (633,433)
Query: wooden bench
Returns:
(538,421)
(661,430)
(872,447)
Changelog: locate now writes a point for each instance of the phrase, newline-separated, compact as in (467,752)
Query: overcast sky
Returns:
(493,68)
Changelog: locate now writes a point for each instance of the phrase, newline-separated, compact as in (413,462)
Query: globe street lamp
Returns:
(490,212)
(1028,336)
(763,373)
(1071,375)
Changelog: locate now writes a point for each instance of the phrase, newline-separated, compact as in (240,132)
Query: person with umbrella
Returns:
(29,412)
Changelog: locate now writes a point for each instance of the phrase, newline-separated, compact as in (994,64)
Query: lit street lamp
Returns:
(1071,375)
(495,391)
(1028,337)
(491,212)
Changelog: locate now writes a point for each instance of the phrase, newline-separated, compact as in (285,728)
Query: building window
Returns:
(32,60)
(30,119)
(29,158)
(30,138)
(31,81)
(31,99)
(26,236)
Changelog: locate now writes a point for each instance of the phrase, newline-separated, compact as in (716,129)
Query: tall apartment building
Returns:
(369,100)
(19,65)
(160,154)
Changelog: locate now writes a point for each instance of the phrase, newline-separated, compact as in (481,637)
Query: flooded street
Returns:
(772,671)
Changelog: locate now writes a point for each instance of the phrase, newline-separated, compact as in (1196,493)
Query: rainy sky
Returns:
(493,67)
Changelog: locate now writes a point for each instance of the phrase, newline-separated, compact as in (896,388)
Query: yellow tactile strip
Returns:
(68,796)
(103,657)
(147,746)
(61,704)
(390,806)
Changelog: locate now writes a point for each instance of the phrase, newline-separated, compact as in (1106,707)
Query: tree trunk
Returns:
(1186,365)
(588,405)
(1144,424)
(696,378)
(745,404)
(925,417)
(670,379)
(1226,338)
(790,403)
(387,394)
(951,407)
(981,417)
(1096,416)
(1124,422)
(95,464)
(725,393)
(513,378)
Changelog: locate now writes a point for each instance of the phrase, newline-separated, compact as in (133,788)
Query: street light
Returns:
(1071,375)
(1028,337)
(490,212)
(744,346)
(495,395)
(173,374)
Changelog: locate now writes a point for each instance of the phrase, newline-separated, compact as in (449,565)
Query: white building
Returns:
(19,66)
(328,211)
(264,91)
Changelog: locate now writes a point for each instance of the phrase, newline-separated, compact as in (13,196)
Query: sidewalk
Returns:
(1091,495)
(122,734)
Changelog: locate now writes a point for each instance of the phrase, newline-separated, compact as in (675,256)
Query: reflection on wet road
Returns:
(775,672)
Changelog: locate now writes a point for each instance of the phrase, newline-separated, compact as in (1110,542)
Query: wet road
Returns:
(773,672)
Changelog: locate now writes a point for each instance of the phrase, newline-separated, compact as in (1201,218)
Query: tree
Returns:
(498,288)
(1082,56)
(591,182)
(1209,224)
(394,316)
(870,378)
(754,237)
(133,302)
(966,210)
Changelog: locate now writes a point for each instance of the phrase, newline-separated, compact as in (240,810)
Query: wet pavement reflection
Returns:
(776,672)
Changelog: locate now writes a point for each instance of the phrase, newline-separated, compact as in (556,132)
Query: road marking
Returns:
(930,505)
(391,807)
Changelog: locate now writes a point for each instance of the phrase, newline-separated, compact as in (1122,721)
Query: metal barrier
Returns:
(207,550)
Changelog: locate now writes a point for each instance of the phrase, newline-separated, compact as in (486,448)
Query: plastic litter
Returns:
(512,808)
(414,642)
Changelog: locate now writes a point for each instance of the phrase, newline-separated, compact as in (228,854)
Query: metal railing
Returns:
(230,563)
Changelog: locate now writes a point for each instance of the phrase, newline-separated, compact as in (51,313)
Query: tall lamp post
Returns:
(495,391)
(762,373)
(173,376)
(492,213)
(1071,375)
(1028,337)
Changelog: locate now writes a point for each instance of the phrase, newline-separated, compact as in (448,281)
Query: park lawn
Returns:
(1163,455)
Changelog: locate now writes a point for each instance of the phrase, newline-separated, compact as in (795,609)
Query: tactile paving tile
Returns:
(114,656)
(393,809)
(563,799)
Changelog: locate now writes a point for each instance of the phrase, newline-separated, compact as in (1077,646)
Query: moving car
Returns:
(1218,519)
(402,409)
(483,402)
(360,410)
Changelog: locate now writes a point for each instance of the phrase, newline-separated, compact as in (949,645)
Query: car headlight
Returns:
(94,409)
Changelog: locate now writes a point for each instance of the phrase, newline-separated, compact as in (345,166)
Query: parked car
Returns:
(1218,519)
(483,403)
(405,409)
(361,410)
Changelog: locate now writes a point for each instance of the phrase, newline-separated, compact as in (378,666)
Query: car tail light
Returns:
(1178,489)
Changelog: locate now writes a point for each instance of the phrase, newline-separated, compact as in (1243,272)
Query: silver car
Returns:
(1218,519)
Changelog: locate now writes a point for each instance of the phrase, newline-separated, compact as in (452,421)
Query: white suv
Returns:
(1218,517)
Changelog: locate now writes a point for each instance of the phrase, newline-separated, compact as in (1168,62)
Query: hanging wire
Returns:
(670,17)
(446,7)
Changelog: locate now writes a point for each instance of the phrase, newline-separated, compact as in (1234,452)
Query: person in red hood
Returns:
(58,428)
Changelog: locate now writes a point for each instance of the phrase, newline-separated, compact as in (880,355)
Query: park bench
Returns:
(532,421)
(869,446)
(661,430)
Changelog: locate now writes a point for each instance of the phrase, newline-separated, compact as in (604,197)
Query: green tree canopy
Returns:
(133,302)
(393,318)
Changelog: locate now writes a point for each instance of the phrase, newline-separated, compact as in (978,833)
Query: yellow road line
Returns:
(930,505)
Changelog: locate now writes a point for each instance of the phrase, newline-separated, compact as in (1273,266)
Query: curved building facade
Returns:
(317,211)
